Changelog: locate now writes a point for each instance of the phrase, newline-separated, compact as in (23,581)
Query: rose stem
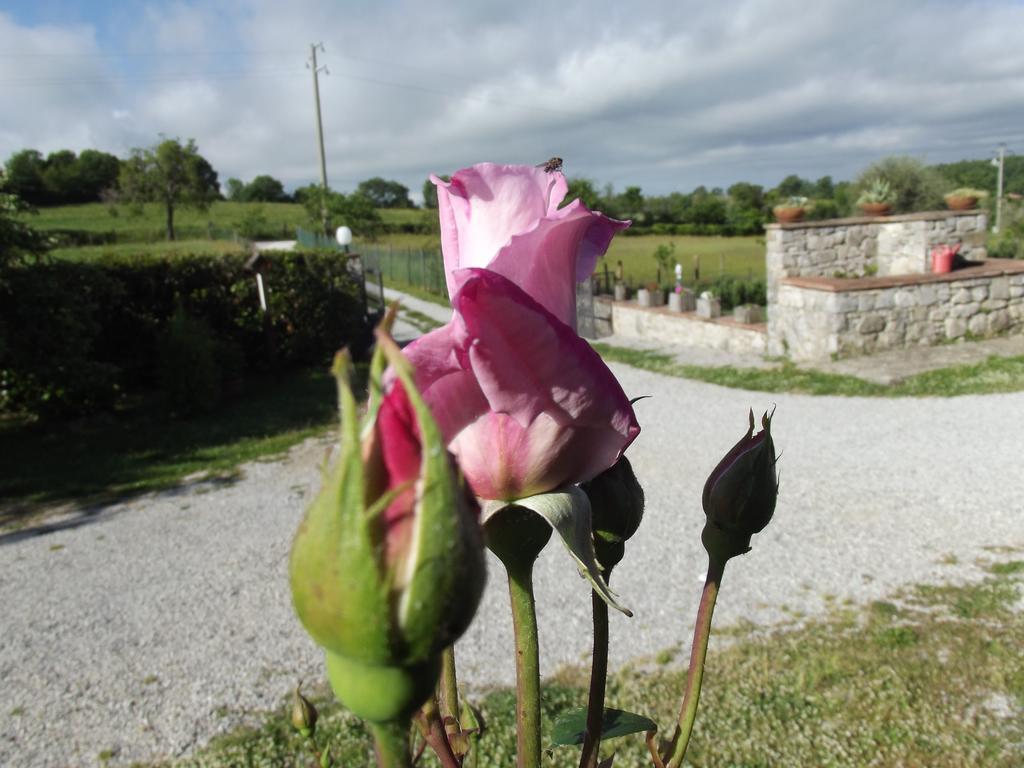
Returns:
(598,678)
(449,690)
(434,734)
(524,625)
(695,674)
(392,743)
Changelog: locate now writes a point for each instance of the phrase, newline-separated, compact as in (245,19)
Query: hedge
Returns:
(76,337)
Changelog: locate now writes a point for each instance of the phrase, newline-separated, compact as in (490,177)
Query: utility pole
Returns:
(999,162)
(312,65)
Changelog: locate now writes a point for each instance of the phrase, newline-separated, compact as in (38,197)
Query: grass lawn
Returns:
(997,374)
(144,449)
(150,225)
(739,256)
(154,249)
(931,677)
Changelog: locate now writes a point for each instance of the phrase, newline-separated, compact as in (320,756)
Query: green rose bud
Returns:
(616,509)
(739,495)
(387,568)
(304,714)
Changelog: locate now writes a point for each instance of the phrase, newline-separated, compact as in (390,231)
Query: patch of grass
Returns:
(997,374)
(143,449)
(1006,569)
(157,249)
(424,322)
(739,256)
(920,692)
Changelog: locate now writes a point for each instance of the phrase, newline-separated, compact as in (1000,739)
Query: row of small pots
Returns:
(787,214)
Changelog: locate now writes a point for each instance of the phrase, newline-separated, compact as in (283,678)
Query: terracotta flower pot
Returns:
(786,214)
(875,209)
(961,203)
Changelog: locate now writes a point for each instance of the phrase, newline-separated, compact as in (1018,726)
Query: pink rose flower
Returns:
(526,404)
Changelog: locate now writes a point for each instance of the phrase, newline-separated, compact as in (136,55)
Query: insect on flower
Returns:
(551,166)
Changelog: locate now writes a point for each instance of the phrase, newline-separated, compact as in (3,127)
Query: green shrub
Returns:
(190,376)
(734,291)
(76,336)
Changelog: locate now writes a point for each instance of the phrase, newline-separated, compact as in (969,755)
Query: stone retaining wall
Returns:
(864,246)
(818,318)
(685,328)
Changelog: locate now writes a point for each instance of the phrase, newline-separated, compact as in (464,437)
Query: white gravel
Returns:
(138,629)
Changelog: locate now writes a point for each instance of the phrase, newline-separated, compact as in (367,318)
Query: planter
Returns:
(709,307)
(646,297)
(621,292)
(960,203)
(875,209)
(748,314)
(675,302)
(785,214)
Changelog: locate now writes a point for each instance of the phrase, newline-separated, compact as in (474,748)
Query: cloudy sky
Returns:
(667,95)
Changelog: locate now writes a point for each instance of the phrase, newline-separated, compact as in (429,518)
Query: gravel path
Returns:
(137,630)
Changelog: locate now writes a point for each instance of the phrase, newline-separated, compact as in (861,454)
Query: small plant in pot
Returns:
(877,199)
(790,210)
(964,198)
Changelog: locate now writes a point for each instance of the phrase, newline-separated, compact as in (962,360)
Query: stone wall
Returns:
(687,329)
(864,246)
(818,318)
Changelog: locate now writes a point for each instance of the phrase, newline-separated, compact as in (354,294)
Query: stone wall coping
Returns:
(858,220)
(689,316)
(986,268)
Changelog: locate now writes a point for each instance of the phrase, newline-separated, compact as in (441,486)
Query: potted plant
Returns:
(964,198)
(790,210)
(877,199)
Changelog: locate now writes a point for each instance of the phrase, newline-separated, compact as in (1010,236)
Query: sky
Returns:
(663,95)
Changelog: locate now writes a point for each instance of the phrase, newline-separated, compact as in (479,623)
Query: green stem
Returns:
(598,679)
(392,742)
(449,686)
(695,674)
(524,625)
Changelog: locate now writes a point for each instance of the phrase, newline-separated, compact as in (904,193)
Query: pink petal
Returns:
(560,251)
(528,364)
(450,391)
(482,207)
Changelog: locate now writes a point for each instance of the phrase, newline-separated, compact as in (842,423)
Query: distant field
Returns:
(149,225)
(210,231)
(160,248)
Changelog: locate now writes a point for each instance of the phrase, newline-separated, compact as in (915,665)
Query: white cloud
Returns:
(667,97)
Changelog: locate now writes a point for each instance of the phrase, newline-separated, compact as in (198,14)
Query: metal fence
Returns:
(415,267)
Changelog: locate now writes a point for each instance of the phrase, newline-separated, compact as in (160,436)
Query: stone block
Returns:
(961,296)
(990,304)
(865,301)
(871,324)
(977,325)
(926,295)
(999,288)
(1016,291)
(998,321)
(904,299)
(965,310)
(748,313)
(979,293)
(709,307)
(884,300)
(955,327)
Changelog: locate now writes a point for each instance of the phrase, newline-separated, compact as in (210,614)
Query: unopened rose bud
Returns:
(616,509)
(304,714)
(387,568)
(739,496)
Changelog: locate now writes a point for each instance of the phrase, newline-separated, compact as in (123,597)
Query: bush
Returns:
(914,186)
(77,336)
(189,374)
(734,291)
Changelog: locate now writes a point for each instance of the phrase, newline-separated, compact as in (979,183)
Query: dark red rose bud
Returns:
(616,509)
(740,494)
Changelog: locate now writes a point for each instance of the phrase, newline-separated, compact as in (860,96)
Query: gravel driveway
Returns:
(148,628)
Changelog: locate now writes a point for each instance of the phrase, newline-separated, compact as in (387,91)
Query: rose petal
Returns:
(482,207)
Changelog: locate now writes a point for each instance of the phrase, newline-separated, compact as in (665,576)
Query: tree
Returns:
(18,240)
(915,186)
(355,211)
(385,193)
(170,173)
(583,190)
(265,189)
(24,176)
(236,190)
(794,186)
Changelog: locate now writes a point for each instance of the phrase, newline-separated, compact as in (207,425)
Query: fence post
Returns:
(423,270)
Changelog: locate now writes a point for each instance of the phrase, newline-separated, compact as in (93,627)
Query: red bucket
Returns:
(942,258)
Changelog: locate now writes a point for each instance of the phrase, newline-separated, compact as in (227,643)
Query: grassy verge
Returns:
(997,374)
(143,448)
(931,677)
